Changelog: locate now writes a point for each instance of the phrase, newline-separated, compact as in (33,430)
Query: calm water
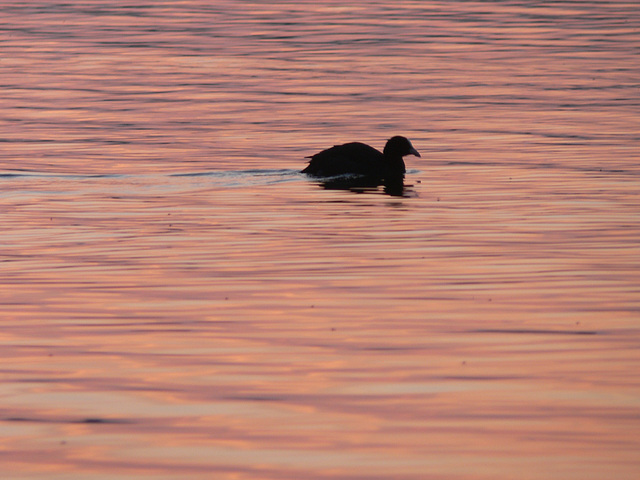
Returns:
(177,301)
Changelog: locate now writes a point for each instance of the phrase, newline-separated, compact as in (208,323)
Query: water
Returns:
(177,301)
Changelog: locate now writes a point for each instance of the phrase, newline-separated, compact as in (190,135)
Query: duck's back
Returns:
(355,157)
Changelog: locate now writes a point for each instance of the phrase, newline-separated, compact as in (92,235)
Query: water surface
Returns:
(177,301)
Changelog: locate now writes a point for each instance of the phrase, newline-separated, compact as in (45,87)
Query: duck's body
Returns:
(361,159)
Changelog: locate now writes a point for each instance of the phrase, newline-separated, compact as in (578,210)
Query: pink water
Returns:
(177,301)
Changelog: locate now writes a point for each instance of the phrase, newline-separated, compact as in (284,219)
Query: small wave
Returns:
(165,182)
(239,173)
(60,175)
(238,178)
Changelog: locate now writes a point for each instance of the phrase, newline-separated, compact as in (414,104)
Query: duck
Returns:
(361,159)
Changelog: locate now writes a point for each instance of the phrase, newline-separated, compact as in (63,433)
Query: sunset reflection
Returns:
(179,301)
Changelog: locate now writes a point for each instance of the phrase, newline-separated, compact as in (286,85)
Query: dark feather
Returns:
(361,159)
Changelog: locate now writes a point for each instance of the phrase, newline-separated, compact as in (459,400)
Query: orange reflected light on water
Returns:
(249,323)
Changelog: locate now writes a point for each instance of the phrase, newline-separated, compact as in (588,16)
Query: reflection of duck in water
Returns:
(361,159)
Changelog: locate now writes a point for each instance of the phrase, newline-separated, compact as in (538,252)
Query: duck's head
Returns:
(399,147)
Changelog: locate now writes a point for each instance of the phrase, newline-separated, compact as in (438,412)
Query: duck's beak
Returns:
(413,151)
